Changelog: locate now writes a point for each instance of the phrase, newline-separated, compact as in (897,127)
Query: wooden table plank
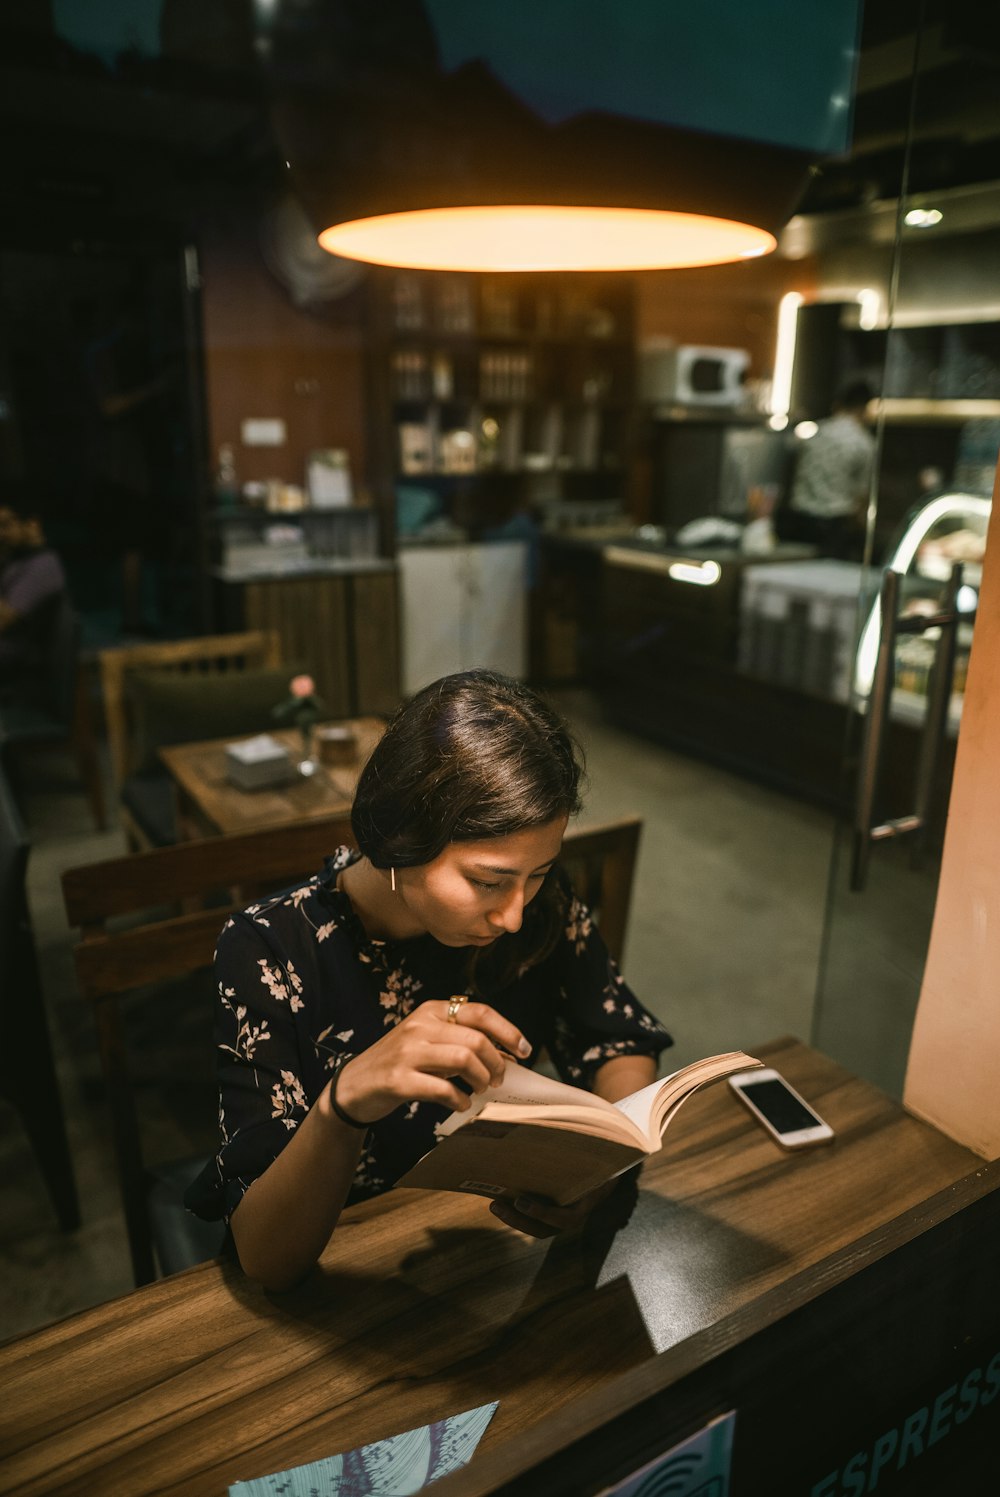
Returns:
(424,1305)
(199,771)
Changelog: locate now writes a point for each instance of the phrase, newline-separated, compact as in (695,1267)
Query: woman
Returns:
(357,1010)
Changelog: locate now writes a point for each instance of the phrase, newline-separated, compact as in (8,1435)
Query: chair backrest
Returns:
(206,655)
(110,960)
(600,861)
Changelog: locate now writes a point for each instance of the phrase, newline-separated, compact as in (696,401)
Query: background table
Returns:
(423,1306)
(209,803)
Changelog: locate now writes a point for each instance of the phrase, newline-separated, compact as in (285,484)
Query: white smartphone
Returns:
(779,1108)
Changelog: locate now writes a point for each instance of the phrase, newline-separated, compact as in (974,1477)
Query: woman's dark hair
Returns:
(472,756)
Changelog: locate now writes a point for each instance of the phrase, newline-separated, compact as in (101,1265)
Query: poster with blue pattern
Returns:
(395,1467)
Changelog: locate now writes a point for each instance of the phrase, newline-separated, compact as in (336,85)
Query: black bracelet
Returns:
(345,1117)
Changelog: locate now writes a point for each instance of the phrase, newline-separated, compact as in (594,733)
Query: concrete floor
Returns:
(724,945)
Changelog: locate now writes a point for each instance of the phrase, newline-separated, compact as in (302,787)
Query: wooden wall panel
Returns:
(345,628)
(310,614)
(375,617)
(264,356)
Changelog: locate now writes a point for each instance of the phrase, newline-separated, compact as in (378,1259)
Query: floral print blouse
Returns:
(301,984)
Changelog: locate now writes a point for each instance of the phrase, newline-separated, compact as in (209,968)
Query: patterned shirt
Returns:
(301,984)
(30,581)
(834,468)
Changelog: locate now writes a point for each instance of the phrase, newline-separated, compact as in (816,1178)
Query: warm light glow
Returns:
(702,574)
(784,359)
(538,238)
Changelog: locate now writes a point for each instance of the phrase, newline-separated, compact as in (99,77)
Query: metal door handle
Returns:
(935,721)
(871,747)
(939,689)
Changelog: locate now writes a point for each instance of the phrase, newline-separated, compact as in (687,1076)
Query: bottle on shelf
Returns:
(410,375)
(227,487)
(442,377)
(407,304)
(454,307)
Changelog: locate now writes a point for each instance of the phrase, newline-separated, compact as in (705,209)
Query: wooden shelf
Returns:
(557,377)
(925,412)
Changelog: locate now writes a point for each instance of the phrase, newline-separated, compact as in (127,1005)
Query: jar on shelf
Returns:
(227,487)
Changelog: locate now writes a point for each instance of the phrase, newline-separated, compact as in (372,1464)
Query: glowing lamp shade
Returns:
(526,238)
(467,135)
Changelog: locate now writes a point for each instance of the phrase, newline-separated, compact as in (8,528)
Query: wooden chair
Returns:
(112,961)
(600,861)
(28,1078)
(55,710)
(144,790)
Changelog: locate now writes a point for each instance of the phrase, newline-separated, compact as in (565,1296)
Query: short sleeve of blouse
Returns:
(595,1015)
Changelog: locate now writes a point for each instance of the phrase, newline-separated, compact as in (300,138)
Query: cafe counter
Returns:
(840,1301)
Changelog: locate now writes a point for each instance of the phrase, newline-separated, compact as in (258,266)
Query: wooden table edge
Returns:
(495,1469)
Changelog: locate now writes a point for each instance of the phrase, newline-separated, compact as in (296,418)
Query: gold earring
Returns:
(392,879)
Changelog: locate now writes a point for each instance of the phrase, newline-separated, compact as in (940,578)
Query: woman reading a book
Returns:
(356,1011)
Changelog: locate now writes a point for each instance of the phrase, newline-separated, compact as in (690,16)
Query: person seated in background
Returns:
(830,489)
(356,1011)
(32,581)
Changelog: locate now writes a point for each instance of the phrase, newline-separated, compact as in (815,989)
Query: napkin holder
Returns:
(255,763)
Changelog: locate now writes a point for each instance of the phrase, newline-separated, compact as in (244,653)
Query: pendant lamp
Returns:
(413,140)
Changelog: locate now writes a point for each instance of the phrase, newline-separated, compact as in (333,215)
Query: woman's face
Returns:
(474,892)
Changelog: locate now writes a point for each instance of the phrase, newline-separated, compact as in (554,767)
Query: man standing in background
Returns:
(832,478)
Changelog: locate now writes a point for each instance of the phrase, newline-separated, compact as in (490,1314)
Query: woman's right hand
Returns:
(417,1059)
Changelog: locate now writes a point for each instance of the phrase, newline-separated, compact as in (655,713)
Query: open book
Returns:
(541,1137)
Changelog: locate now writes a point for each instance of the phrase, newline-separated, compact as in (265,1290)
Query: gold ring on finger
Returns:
(454,1004)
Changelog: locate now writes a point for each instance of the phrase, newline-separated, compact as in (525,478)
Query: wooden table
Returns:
(423,1306)
(209,803)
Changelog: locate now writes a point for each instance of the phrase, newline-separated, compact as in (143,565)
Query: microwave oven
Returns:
(689,374)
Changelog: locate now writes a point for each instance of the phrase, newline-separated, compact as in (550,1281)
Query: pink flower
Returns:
(302,686)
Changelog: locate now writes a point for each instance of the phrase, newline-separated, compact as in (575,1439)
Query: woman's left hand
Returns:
(539,1217)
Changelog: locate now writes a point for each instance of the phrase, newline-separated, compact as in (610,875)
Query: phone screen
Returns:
(783,1111)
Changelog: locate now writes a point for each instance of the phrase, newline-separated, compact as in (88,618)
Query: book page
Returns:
(653,1106)
(676,1088)
(522,1087)
(643,1115)
(638,1106)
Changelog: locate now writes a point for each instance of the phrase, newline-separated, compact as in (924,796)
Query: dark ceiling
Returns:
(84,142)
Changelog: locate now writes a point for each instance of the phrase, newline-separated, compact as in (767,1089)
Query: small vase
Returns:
(307,764)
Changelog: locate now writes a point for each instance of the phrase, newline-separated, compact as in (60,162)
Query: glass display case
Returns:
(948,529)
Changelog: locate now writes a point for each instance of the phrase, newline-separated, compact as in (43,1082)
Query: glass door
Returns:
(938,433)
